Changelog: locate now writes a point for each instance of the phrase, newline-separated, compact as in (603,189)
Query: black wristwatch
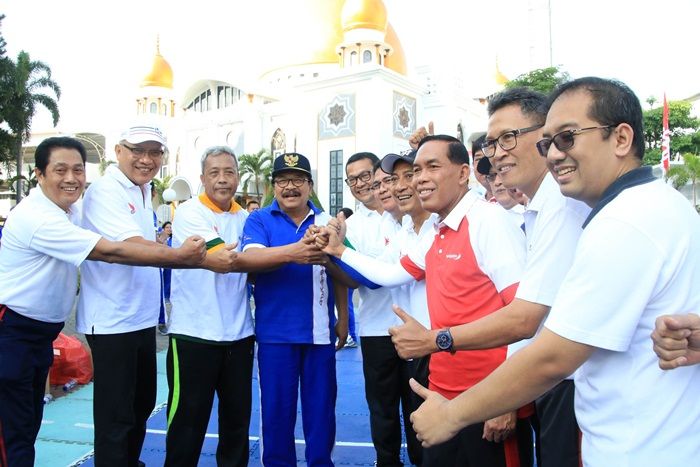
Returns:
(444,341)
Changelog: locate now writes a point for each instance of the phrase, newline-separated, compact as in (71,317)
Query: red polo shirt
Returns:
(471,269)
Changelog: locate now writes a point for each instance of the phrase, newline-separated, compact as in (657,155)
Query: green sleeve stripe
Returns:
(347,243)
(214,242)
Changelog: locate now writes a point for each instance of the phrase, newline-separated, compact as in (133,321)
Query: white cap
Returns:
(142,133)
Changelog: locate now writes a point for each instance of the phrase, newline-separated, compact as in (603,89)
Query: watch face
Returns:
(444,340)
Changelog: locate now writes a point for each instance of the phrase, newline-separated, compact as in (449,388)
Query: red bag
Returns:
(71,360)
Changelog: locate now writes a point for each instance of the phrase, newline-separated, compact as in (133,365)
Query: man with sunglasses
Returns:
(295,324)
(638,258)
(371,231)
(552,227)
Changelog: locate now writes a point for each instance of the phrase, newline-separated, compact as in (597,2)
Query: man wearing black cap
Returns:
(510,199)
(295,323)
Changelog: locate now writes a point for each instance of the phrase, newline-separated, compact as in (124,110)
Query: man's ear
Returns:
(623,137)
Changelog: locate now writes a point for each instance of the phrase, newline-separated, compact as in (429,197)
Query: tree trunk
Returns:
(20,162)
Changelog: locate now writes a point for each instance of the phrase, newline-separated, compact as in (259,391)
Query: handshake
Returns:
(327,239)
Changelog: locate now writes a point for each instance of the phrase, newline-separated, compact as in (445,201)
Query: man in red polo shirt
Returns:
(471,268)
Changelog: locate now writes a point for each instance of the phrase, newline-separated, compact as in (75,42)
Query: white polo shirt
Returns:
(370,234)
(637,259)
(42,248)
(412,296)
(205,304)
(116,298)
(553,226)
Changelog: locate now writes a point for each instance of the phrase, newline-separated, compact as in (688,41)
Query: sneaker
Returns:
(163,329)
(350,343)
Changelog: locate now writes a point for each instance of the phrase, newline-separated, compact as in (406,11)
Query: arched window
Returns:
(279,142)
(164,109)
(353,58)
(154,108)
(366,56)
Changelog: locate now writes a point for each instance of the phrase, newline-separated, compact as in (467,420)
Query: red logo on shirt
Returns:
(386,241)
(132,208)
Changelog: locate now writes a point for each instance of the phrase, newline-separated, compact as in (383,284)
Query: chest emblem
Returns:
(132,208)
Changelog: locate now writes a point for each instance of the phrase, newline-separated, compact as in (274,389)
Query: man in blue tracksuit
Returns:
(295,324)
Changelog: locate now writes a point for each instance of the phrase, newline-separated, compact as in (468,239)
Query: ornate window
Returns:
(279,143)
(336,182)
(366,56)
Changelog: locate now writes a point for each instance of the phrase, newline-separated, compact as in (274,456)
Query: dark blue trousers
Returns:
(285,369)
(26,353)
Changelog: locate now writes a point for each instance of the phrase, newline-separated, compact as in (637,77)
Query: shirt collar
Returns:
(114,171)
(459,212)
(543,193)
(638,176)
(38,192)
(204,199)
(366,212)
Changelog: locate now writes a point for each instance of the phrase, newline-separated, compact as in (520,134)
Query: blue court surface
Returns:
(66,434)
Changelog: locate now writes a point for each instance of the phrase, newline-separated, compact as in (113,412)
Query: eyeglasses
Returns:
(506,141)
(491,177)
(386,182)
(140,152)
(564,139)
(284,182)
(365,176)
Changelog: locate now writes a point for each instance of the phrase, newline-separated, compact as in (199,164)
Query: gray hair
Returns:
(215,151)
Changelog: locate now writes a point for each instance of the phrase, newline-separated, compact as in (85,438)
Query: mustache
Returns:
(291,192)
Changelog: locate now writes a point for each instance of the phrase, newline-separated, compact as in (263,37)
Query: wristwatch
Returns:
(444,341)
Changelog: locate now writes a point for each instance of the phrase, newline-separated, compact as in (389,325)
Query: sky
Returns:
(100,50)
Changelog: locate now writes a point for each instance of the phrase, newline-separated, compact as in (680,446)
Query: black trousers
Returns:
(389,396)
(559,442)
(124,394)
(26,353)
(469,449)
(197,370)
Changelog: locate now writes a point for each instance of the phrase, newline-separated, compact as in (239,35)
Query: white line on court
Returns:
(251,438)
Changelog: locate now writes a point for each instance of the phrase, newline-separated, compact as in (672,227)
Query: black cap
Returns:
(389,161)
(483,166)
(291,161)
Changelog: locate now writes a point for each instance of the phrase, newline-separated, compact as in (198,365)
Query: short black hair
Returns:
(166,223)
(346,211)
(360,156)
(476,144)
(43,151)
(456,150)
(252,201)
(532,104)
(613,103)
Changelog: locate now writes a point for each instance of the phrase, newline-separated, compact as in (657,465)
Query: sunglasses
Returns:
(564,139)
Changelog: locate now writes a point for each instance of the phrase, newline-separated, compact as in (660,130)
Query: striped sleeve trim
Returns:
(215,244)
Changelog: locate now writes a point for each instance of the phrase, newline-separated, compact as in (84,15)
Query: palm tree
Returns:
(161,185)
(29,80)
(689,171)
(256,168)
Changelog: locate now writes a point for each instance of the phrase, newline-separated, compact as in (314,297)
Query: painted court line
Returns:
(251,438)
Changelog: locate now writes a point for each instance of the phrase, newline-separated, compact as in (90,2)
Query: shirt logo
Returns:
(132,208)
(453,256)
(386,241)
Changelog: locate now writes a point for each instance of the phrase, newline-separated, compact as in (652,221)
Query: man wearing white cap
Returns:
(119,305)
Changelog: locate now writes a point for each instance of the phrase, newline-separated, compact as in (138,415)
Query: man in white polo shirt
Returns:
(39,261)
(638,257)
(119,305)
(552,228)
(211,327)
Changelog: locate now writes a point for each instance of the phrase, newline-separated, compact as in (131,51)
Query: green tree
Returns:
(6,139)
(30,81)
(689,171)
(160,185)
(542,79)
(685,137)
(27,182)
(256,169)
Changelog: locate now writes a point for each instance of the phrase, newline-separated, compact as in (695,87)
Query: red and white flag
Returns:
(665,141)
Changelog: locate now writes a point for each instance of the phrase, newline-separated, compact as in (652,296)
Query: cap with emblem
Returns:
(291,161)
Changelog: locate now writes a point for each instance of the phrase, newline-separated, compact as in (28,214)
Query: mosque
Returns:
(342,87)
(346,91)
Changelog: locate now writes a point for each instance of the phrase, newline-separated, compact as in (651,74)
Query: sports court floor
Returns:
(66,434)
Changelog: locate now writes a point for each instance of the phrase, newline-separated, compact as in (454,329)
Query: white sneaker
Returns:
(350,343)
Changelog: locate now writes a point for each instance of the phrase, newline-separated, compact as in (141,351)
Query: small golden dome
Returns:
(161,74)
(499,77)
(364,14)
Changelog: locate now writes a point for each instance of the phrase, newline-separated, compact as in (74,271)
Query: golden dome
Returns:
(364,14)
(499,77)
(161,75)
(320,32)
